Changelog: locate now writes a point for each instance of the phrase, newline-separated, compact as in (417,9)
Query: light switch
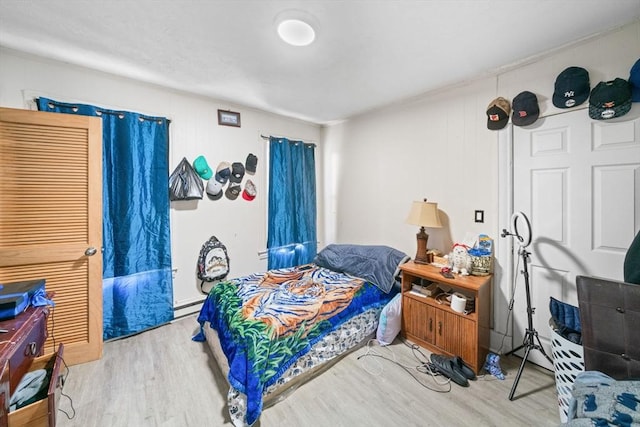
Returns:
(479,216)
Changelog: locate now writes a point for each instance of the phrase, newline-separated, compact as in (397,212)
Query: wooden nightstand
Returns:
(438,328)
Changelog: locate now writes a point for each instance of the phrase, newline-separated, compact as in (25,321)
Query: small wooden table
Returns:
(432,324)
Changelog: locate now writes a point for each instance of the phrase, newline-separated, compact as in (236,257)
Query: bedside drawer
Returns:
(43,412)
(27,347)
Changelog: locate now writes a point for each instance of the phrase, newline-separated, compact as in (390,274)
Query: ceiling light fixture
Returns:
(296,32)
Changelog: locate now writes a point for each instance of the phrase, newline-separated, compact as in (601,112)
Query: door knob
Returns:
(90,251)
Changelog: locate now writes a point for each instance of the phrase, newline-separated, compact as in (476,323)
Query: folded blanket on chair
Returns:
(605,401)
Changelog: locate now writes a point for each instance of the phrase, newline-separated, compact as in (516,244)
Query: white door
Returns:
(578,182)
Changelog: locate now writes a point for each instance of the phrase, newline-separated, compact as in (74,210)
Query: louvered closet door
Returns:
(51,220)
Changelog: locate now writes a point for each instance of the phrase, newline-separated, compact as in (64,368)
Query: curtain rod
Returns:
(305,143)
(100,110)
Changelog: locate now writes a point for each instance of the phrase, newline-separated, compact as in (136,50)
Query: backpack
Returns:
(213,261)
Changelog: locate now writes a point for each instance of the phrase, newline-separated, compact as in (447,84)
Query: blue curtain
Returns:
(292,237)
(137,280)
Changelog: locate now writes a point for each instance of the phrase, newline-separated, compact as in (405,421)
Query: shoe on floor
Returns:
(460,365)
(492,365)
(445,366)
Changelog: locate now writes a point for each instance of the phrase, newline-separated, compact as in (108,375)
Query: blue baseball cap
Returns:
(571,87)
(634,81)
(525,109)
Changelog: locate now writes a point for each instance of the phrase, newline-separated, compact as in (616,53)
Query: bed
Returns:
(271,332)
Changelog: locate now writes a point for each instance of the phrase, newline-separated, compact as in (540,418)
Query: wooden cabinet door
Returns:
(418,319)
(51,220)
(457,335)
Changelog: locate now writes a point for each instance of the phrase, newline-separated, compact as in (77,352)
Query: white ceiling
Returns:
(367,54)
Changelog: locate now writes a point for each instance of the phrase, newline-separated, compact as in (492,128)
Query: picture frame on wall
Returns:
(228,118)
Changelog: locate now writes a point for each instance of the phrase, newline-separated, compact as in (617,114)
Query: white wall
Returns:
(194,131)
(438,146)
(371,167)
(429,148)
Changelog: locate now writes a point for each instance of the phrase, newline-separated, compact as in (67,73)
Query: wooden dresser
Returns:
(20,348)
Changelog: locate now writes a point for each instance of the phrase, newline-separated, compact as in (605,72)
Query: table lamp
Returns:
(424,214)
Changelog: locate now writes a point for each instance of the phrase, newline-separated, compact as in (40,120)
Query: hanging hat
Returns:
(250,191)
(223,172)
(498,113)
(214,189)
(202,168)
(610,99)
(237,172)
(250,164)
(525,109)
(571,87)
(634,81)
(233,190)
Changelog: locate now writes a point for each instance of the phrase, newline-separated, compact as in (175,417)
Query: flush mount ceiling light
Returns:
(296,32)
(296,27)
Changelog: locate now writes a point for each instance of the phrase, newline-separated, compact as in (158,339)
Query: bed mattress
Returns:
(350,336)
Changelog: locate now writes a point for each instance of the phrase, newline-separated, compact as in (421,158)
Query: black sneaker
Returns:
(445,366)
(461,366)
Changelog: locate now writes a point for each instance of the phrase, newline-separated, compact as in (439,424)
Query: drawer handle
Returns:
(31,349)
(440,328)
(430,325)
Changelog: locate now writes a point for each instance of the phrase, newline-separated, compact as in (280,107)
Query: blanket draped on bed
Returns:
(377,264)
(265,322)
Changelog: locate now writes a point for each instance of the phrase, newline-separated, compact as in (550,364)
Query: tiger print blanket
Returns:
(265,322)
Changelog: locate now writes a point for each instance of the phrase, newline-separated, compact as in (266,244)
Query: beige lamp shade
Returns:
(424,214)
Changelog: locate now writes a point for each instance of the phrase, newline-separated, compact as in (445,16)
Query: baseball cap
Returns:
(250,164)
(233,190)
(250,191)
(610,99)
(214,189)
(525,109)
(634,81)
(223,172)
(571,87)
(202,168)
(498,113)
(237,172)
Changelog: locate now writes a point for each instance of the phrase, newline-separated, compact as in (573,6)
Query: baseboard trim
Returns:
(187,309)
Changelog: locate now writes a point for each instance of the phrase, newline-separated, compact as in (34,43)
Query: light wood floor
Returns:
(162,378)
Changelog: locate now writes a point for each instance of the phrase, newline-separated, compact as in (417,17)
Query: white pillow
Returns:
(390,320)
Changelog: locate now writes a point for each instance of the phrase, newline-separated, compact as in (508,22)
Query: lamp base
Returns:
(421,255)
(428,259)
